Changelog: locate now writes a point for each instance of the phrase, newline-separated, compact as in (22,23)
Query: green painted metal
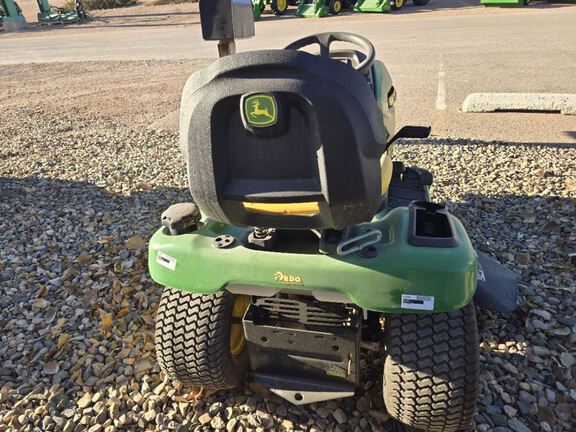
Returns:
(503,3)
(312,9)
(56,15)
(447,274)
(45,10)
(373,6)
(257,7)
(12,15)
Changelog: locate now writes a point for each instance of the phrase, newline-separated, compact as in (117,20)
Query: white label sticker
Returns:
(166,260)
(420,302)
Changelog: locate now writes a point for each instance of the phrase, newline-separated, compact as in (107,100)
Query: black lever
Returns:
(419,132)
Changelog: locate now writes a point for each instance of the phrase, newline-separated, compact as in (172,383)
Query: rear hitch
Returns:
(303,350)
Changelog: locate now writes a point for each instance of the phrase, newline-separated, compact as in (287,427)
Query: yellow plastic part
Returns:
(387,167)
(237,337)
(305,208)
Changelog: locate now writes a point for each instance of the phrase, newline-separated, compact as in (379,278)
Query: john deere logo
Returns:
(260,110)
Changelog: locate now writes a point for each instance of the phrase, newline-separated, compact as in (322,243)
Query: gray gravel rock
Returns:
(80,198)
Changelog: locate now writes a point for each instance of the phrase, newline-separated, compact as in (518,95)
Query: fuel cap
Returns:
(181,218)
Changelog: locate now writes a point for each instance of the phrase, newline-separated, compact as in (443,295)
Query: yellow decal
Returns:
(288,279)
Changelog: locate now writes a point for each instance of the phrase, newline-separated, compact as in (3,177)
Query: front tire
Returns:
(197,338)
(431,372)
(397,4)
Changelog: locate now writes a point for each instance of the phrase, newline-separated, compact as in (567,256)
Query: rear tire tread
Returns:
(193,339)
(431,372)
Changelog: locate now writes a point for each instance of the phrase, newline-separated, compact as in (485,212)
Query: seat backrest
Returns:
(282,139)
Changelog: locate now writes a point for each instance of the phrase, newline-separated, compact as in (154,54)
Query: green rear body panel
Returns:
(373,6)
(378,284)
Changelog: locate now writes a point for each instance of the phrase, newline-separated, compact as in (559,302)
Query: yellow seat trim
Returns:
(304,208)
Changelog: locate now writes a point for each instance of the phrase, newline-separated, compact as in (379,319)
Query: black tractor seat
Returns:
(282,139)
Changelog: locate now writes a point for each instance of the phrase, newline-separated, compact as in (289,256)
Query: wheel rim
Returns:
(237,338)
(399,3)
(337,6)
(282,5)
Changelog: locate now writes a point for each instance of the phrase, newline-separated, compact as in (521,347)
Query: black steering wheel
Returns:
(326,39)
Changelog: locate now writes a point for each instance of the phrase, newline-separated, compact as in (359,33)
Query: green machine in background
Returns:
(505,3)
(517,3)
(322,8)
(11,16)
(372,6)
(384,5)
(279,7)
(55,15)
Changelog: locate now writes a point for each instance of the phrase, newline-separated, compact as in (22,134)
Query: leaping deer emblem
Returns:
(257,111)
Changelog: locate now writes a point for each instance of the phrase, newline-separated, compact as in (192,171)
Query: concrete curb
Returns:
(491,102)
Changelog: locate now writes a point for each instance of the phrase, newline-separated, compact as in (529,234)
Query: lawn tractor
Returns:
(384,5)
(279,7)
(305,240)
(11,17)
(322,8)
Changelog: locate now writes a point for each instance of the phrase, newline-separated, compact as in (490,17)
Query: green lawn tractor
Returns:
(322,8)
(306,239)
(384,5)
(11,17)
(278,7)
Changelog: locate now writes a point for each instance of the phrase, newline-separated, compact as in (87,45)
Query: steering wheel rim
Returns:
(324,40)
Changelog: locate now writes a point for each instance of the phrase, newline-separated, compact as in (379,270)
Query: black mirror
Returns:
(226,20)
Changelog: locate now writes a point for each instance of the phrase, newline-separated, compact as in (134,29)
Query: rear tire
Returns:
(431,372)
(335,6)
(279,6)
(193,339)
(420,2)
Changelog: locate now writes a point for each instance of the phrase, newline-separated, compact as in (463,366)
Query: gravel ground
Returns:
(79,197)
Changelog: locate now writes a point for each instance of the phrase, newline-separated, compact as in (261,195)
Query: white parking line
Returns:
(441,97)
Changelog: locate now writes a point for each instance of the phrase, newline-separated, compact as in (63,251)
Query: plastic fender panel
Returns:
(400,278)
